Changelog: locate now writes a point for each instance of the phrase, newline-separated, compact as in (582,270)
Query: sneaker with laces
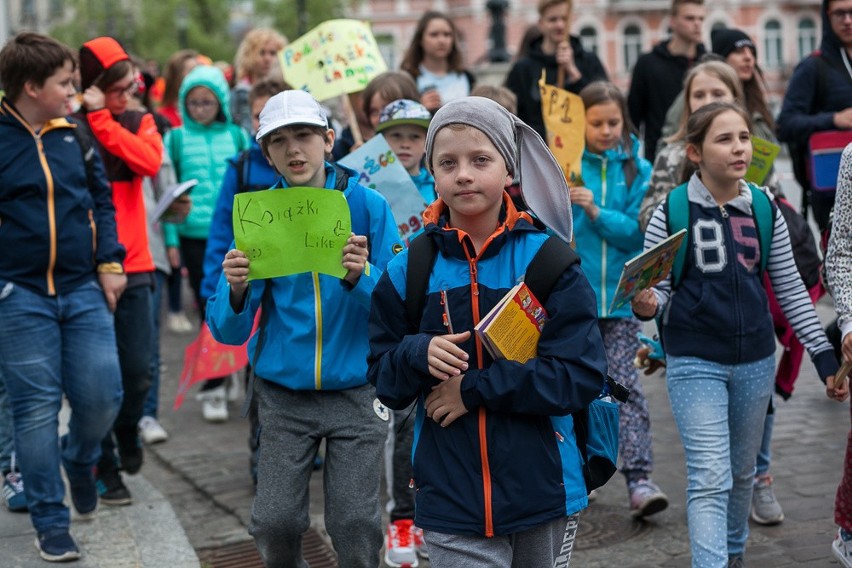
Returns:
(765,509)
(842,549)
(177,322)
(214,404)
(57,546)
(399,549)
(151,431)
(13,492)
(419,543)
(111,488)
(646,498)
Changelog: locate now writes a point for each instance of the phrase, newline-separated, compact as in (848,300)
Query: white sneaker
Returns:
(842,550)
(214,407)
(179,323)
(151,431)
(235,387)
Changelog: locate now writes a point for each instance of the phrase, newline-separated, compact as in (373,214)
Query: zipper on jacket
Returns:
(730,246)
(51,216)
(604,302)
(318,320)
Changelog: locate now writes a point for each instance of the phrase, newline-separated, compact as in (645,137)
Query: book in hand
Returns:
(646,269)
(512,328)
(169,196)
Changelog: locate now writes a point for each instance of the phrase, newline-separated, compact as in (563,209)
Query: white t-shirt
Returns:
(451,86)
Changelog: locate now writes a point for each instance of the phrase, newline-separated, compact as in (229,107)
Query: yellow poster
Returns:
(334,58)
(565,121)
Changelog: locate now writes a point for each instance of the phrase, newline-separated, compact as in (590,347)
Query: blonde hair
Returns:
(545,5)
(247,52)
(501,95)
(718,69)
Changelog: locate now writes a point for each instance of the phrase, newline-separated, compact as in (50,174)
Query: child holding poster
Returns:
(607,233)
(309,354)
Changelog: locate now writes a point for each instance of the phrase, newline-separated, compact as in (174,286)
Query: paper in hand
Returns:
(172,193)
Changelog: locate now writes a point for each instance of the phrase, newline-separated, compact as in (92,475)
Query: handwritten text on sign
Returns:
(565,121)
(380,170)
(292,230)
(336,57)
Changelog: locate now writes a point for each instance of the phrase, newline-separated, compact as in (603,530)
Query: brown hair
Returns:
(249,48)
(602,92)
(174,74)
(754,91)
(30,56)
(545,5)
(266,88)
(414,54)
(676,4)
(714,68)
(117,72)
(391,85)
(318,130)
(501,95)
(698,126)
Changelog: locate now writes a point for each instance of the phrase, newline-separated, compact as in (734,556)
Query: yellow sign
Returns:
(565,121)
(334,58)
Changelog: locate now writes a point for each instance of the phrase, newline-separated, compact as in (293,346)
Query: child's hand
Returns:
(837,388)
(644,303)
(446,358)
(355,257)
(94,99)
(236,269)
(586,199)
(431,99)
(444,404)
(174,257)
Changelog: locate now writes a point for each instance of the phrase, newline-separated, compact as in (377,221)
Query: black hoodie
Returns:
(657,80)
(525,73)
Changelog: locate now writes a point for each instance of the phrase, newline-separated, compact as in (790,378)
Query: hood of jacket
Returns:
(662,50)
(212,78)
(830,45)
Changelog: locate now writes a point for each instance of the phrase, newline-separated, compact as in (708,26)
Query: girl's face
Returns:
(298,153)
(377,103)
(202,105)
(117,95)
(706,89)
(604,126)
(470,174)
(725,153)
(437,39)
(408,142)
(743,62)
(265,60)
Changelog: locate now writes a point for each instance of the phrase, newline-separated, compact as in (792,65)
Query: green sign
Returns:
(292,230)
(762,158)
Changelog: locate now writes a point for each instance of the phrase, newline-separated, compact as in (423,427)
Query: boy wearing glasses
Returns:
(200,150)
(131,148)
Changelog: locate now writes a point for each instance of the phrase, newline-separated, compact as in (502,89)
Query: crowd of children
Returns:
(483,461)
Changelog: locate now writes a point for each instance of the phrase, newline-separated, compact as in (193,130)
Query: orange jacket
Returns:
(129,157)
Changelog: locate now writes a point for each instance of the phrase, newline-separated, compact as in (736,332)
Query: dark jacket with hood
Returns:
(525,73)
(657,80)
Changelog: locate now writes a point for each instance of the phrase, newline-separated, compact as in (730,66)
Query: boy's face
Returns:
(840,17)
(470,174)
(257,106)
(298,153)
(408,142)
(52,98)
(688,23)
(554,22)
(117,95)
(202,105)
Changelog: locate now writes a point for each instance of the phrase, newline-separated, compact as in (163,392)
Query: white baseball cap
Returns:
(288,108)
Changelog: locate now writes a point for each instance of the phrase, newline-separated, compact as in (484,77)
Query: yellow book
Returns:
(512,328)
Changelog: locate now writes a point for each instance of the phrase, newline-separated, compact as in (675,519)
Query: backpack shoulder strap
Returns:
(548,264)
(86,141)
(677,218)
(422,253)
(764,219)
(240,166)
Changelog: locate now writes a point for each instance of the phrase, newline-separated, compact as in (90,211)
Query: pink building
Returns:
(617,30)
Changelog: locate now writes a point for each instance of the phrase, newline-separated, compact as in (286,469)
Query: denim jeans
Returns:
(719,411)
(7,443)
(152,401)
(50,346)
(764,455)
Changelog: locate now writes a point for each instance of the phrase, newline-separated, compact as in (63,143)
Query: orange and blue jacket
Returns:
(511,463)
(131,148)
(54,228)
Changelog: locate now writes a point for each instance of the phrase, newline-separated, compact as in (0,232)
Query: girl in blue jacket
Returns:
(606,230)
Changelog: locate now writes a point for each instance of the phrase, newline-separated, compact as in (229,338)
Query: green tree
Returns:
(310,12)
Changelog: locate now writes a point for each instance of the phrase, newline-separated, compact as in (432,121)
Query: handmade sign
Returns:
(565,121)
(292,230)
(762,158)
(334,58)
(380,170)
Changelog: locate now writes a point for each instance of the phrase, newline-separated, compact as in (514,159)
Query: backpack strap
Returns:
(357,200)
(677,217)
(86,141)
(548,264)
(764,220)
(422,252)
(242,158)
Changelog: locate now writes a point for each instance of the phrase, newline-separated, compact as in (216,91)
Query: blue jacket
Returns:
(516,444)
(316,331)
(257,174)
(606,243)
(805,110)
(54,228)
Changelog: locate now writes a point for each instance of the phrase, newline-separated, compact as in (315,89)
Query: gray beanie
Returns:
(543,183)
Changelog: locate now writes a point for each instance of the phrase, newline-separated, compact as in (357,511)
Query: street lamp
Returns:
(497,53)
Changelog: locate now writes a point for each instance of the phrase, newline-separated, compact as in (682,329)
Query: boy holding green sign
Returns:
(310,352)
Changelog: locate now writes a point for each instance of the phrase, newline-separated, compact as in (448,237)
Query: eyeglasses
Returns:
(201,104)
(127,91)
(839,16)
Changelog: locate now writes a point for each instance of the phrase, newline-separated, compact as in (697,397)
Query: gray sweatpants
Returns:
(545,546)
(294,424)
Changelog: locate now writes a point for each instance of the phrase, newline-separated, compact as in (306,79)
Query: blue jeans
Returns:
(719,411)
(7,443)
(152,401)
(50,346)
(764,455)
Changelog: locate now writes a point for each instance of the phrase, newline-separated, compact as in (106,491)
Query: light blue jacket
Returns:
(606,243)
(316,331)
